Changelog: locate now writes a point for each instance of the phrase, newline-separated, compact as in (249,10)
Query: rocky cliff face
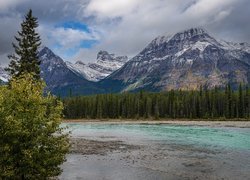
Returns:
(185,60)
(105,65)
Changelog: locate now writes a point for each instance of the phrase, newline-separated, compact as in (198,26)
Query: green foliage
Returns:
(32,144)
(25,59)
(206,104)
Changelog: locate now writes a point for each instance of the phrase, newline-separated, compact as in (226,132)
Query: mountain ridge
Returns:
(61,80)
(185,60)
(104,65)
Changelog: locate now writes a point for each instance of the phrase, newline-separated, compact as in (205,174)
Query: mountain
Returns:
(184,60)
(3,75)
(105,65)
(60,79)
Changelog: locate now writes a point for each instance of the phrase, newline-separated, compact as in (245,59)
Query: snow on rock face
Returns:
(235,46)
(105,65)
(186,60)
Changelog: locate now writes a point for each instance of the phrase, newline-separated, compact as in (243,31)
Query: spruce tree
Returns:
(25,59)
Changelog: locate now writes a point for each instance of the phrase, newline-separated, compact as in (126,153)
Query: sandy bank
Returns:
(240,124)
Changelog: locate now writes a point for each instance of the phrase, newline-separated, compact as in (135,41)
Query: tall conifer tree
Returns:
(25,59)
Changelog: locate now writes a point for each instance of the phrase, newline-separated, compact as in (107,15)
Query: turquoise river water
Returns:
(166,152)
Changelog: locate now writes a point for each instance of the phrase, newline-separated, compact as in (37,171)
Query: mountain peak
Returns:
(191,33)
(45,51)
(104,55)
(194,31)
(185,60)
(104,65)
(46,55)
(182,35)
(45,48)
(80,63)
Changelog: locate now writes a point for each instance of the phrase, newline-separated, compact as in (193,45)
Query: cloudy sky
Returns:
(78,29)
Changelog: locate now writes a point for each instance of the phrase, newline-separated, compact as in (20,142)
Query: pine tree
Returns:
(25,59)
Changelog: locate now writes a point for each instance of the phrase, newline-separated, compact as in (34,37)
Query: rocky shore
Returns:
(94,147)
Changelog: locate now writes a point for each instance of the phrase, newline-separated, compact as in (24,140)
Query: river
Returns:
(157,151)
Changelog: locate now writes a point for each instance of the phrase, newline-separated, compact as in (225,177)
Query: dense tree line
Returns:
(203,103)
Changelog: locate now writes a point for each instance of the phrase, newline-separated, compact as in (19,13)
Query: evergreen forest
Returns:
(196,104)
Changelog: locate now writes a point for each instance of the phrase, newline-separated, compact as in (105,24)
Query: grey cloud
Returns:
(126,31)
(9,27)
(49,14)
(224,19)
(236,27)
(56,10)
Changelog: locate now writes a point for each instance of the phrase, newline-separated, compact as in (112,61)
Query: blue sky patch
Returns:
(70,52)
(86,44)
(74,25)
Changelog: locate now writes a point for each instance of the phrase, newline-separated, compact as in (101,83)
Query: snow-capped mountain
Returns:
(185,60)
(60,79)
(105,65)
(4,77)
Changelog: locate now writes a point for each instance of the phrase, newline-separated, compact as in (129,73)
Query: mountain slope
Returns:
(105,65)
(3,75)
(60,79)
(185,60)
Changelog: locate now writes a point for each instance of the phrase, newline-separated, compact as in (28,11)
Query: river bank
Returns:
(214,123)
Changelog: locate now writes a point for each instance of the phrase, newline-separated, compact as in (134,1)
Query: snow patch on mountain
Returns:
(105,65)
(4,76)
(235,46)
(186,60)
(200,45)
